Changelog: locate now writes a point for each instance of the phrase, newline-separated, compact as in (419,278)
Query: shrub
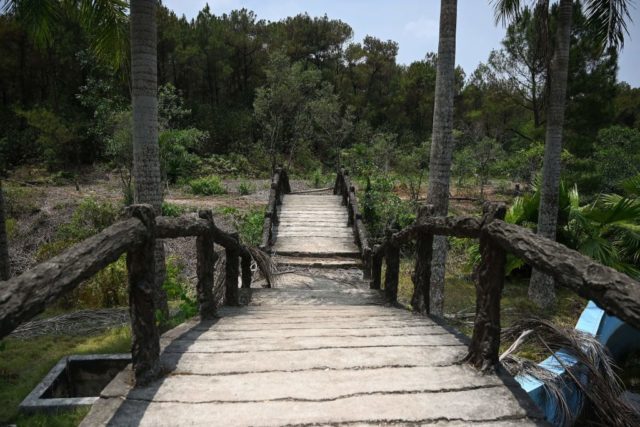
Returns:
(250,227)
(246,188)
(207,186)
(90,217)
(170,209)
(382,208)
(317,178)
(178,289)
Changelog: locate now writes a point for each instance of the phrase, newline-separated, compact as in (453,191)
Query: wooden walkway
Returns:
(313,231)
(320,348)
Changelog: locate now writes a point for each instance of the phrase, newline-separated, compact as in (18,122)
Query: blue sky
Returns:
(411,23)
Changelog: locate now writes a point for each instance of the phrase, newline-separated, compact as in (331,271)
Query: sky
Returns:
(411,23)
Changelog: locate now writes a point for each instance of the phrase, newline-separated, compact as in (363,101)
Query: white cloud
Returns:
(422,28)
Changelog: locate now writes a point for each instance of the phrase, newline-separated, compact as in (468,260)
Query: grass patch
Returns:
(207,186)
(173,210)
(248,223)
(23,364)
(245,188)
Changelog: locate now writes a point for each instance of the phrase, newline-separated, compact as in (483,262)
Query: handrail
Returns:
(614,292)
(347,191)
(25,296)
(279,186)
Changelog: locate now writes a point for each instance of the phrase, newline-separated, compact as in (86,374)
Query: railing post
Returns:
(392,274)
(205,269)
(366,263)
(141,270)
(350,208)
(231,275)
(345,187)
(246,272)
(485,341)
(376,268)
(420,302)
(336,185)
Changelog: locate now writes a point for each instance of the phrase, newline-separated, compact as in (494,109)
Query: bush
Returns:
(383,209)
(207,186)
(250,227)
(170,209)
(245,188)
(178,289)
(90,217)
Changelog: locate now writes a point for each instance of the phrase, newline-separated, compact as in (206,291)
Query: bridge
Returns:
(314,349)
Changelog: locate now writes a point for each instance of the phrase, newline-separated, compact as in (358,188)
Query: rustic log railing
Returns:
(279,186)
(25,296)
(614,292)
(347,191)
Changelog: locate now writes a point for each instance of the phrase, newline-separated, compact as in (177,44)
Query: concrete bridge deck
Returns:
(320,348)
(332,354)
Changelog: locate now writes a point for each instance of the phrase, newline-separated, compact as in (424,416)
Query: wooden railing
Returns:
(279,186)
(347,191)
(616,293)
(25,296)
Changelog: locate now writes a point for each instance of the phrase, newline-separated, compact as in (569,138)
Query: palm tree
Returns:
(105,21)
(146,151)
(442,145)
(608,17)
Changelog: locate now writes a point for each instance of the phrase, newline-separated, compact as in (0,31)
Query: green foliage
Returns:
(171,209)
(250,227)
(177,157)
(90,217)
(58,140)
(383,209)
(19,201)
(177,289)
(245,188)
(207,186)
(617,156)
(248,223)
(108,287)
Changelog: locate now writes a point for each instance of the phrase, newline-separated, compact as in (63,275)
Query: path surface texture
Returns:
(313,231)
(320,348)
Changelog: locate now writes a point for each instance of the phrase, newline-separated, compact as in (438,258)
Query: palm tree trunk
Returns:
(442,145)
(146,155)
(5,263)
(541,288)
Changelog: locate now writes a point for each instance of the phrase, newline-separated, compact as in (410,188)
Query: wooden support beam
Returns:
(246,272)
(206,268)
(231,274)
(376,267)
(141,268)
(392,275)
(485,341)
(420,301)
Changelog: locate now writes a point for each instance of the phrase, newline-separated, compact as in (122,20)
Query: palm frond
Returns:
(609,20)
(106,23)
(506,11)
(602,388)
(37,16)
(631,186)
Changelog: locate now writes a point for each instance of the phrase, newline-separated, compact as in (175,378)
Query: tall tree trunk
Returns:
(146,151)
(541,290)
(5,263)
(442,145)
